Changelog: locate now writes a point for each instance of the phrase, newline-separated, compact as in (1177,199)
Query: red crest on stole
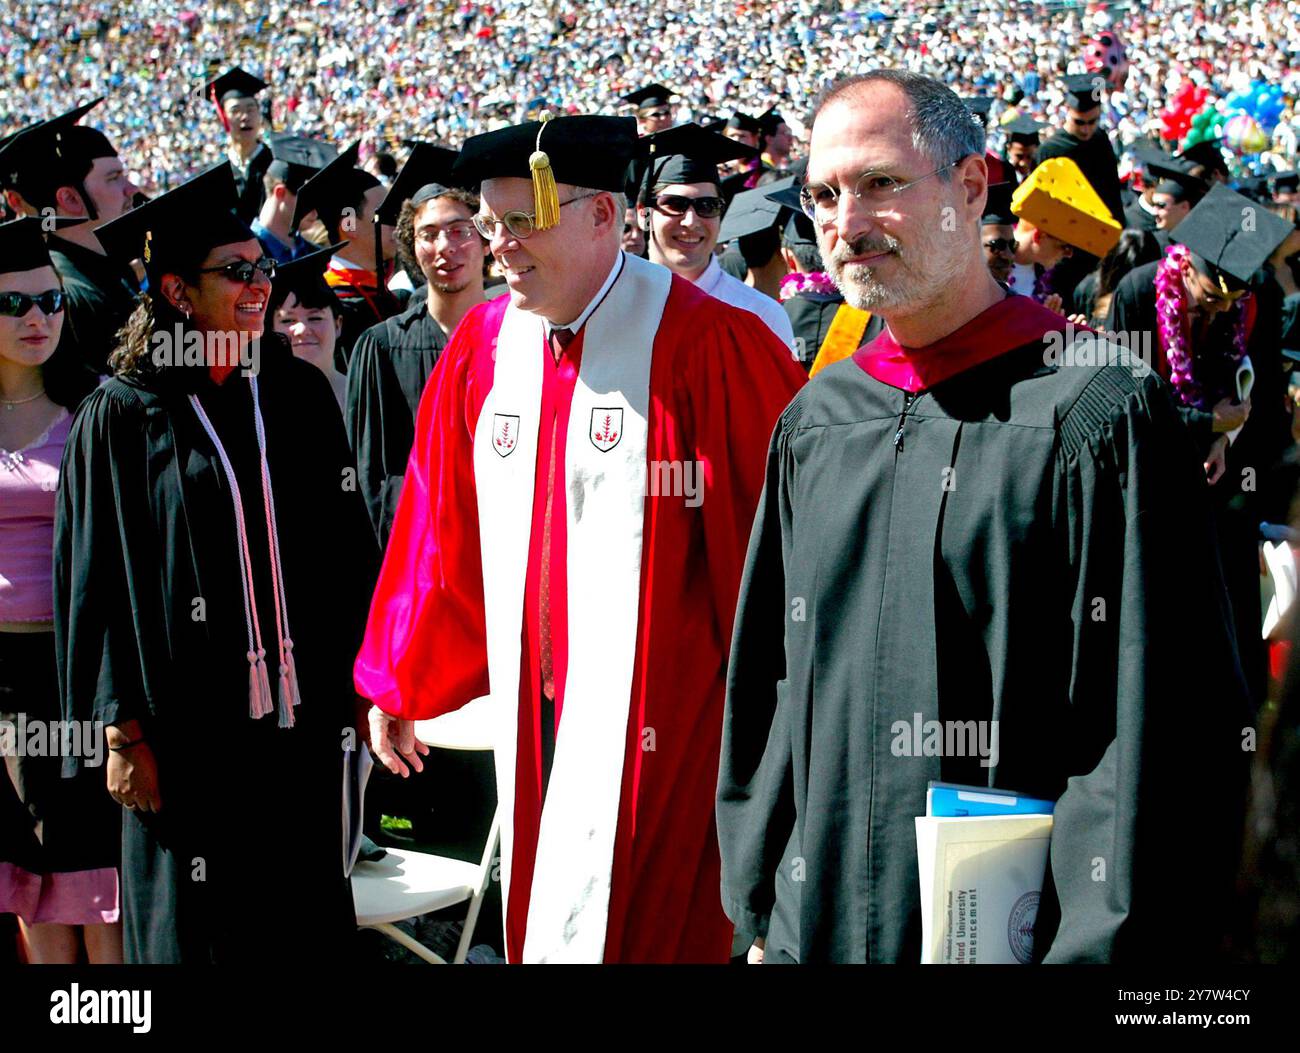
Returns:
(505,433)
(606,427)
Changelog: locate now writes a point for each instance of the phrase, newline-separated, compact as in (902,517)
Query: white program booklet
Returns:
(981,880)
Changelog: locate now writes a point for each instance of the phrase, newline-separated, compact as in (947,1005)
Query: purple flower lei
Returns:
(816,282)
(1173,324)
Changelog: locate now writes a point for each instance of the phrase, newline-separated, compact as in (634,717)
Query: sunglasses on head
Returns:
(17,304)
(678,205)
(243,270)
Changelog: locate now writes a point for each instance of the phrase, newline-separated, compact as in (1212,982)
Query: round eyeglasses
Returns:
(875,192)
(519,224)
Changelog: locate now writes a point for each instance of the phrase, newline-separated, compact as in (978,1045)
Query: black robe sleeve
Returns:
(755,804)
(1145,843)
(389,369)
(106,565)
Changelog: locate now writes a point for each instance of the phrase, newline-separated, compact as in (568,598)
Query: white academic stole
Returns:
(605,483)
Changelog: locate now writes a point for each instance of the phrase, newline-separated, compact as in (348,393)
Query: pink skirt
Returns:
(78,897)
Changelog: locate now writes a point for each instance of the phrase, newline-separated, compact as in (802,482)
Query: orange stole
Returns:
(842,339)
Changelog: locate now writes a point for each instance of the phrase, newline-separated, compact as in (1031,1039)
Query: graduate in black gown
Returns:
(1084,139)
(1222,265)
(957,526)
(234,94)
(61,167)
(346,200)
(391,362)
(212,575)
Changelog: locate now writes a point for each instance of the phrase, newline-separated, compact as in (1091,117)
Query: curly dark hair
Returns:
(132,357)
(405,230)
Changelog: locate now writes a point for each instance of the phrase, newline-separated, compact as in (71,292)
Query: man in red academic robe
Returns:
(588,457)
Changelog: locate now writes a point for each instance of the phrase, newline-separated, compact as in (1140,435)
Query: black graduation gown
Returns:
(243,862)
(1138,218)
(361,310)
(390,364)
(1241,499)
(811,315)
(101,295)
(249,185)
(872,594)
(1095,159)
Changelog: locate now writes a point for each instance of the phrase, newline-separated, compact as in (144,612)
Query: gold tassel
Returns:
(546,198)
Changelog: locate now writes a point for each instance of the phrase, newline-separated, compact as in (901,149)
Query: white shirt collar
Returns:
(581,320)
(711,274)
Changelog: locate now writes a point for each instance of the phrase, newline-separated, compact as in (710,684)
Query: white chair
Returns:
(404,883)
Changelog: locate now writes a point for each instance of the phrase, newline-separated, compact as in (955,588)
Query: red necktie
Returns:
(562,338)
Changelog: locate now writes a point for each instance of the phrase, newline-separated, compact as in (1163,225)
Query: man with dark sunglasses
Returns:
(654,110)
(681,213)
(998,232)
(61,167)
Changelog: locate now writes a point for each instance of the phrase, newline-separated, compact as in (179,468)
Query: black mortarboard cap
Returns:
(1208,152)
(1285,182)
(1176,179)
(176,230)
(689,154)
(650,95)
(1022,129)
(1084,91)
(797,228)
(584,150)
(743,122)
(49,154)
(1231,234)
(304,274)
(769,121)
(427,166)
(750,212)
(997,209)
(295,159)
(979,105)
(339,185)
(715,124)
(234,83)
(22,245)
(1254,187)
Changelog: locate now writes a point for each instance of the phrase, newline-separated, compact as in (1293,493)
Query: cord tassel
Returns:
(546,196)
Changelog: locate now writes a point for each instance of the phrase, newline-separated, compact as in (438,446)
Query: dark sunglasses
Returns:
(1001,244)
(243,270)
(17,304)
(677,205)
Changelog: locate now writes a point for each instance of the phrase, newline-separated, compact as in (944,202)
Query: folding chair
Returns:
(404,883)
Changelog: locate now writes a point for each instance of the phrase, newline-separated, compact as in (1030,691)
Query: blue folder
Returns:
(950,800)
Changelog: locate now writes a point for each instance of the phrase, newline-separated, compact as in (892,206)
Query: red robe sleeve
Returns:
(425,648)
(737,391)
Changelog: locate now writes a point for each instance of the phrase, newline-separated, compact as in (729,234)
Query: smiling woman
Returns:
(58,851)
(202,640)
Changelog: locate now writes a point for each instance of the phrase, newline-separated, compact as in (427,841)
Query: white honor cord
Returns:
(260,702)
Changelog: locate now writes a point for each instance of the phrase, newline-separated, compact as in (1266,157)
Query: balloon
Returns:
(1244,135)
(1105,54)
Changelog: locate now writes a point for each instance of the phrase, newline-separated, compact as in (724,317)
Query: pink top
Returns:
(28,480)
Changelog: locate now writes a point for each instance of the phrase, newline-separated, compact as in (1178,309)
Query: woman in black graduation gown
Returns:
(212,573)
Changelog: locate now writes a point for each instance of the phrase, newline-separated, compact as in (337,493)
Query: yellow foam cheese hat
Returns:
(1058,200)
